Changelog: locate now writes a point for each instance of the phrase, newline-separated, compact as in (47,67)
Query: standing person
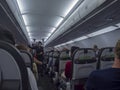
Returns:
(96,50)
(40,57)
(107,79)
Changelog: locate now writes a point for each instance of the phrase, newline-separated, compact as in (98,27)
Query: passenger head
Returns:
(117,50)
(39,43)
(95,47)
(22,47)
(6,36)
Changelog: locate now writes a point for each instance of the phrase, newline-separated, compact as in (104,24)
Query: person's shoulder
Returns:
(100,72)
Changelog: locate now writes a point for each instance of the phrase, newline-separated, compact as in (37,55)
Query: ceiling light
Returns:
(80,38)
(69,42)
(59,22)
(118,25)
(46,38)
(105,30)
(28,30)
(29,34)
(53,30)
(20,5)
(70,7)
(25,19)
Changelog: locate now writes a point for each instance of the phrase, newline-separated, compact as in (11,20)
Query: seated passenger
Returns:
(107,79)
(67,74)
(35,70)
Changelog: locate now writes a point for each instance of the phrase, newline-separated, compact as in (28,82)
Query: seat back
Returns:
(84,62)
(9,72)
(19,61)
(27,58)
(55,57)
(106,57)
(50,59)
(32,80)
(64,58)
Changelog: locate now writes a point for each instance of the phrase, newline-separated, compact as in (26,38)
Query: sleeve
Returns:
(90,85)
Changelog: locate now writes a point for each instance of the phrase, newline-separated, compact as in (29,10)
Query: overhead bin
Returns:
(83,9)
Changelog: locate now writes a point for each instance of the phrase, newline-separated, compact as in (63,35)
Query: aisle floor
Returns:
(45,83)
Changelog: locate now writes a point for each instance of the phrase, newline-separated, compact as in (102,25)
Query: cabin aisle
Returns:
(46,83)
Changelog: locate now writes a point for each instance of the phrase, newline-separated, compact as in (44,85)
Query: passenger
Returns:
(8,37)
(108,79)
(40,57)
(68,71)
(96,50)
(35,70)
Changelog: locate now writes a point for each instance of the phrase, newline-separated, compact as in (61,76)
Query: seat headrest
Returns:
(82,56)
(107,54)
(27,58)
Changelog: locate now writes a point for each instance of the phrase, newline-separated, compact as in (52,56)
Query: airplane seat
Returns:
(14,72)
(28,61)
(32,80)
(106,57)
(50,63)
(10,78)
(64,58)
(84,62)
(27,58)
(55,67)
(64,82)
(46,56)
(0,76)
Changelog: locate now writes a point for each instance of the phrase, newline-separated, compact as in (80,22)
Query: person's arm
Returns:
(37,61)
(63,75)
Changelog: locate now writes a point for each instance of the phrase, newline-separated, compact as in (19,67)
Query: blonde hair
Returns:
(22,47)
(117,49)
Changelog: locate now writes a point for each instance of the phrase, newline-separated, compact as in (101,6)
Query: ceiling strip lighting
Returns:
(66,13)
(70,7)
(20,6)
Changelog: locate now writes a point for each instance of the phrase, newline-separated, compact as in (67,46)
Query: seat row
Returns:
(15,69)
(84,61)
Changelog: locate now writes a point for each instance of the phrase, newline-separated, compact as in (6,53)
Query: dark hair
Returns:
(95,46)
(117,49)
(6,36)
(40,42)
